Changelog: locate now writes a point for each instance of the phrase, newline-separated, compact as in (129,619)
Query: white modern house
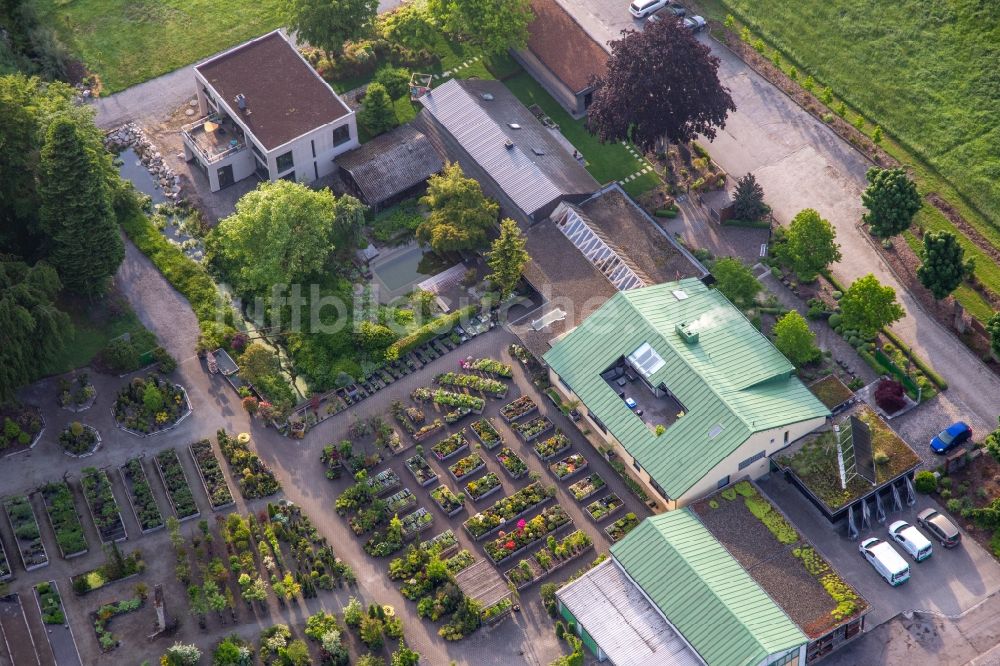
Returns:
(266,112)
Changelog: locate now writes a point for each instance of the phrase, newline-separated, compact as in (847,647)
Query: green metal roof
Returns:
(732,378)
(704,592)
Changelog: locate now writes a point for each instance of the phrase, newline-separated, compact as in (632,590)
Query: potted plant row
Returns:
(420,470)
(569,466)
(603,508)
(140,496)
(253,476)
(451,445)
(551,447)
(492,387)
(330,459)
(483,487)
(511,463)
(102,505)
(26,533)
(466,467)
(65,521)
(518,409)
(449,502)
(508,509)
(400,501)
(554,556)
(490,367)
(172,475)
(444,543)
(526,533)
(487,433)
(210,472)
(621,527)
(416,522)
(533,429)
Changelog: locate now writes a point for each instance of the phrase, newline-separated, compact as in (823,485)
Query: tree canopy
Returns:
(460,214)
(377,115)
(809,245)
(408,25)
(735,281)
(944,265)
(748,199)
(891,199)
(867,306)
(395,80)
(793,338)
(993,328)
(328,24)
(493,25)
(507,258)
(661,84)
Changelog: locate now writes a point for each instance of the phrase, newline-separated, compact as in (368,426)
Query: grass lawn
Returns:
(129,41)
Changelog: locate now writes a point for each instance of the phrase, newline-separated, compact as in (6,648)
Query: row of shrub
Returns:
(428,332)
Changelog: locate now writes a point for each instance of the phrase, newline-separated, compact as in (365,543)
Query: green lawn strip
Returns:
(92,333)
(643,183)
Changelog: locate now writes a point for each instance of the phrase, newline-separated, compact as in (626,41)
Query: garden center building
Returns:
(683,388)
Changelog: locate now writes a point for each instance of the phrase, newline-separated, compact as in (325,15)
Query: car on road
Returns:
(954,435)
(940,527)
(911,540)
(887,562)
(670,12)
(643,8)
(694,23)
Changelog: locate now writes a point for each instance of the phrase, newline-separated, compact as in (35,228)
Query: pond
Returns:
(406,267)
(132,170)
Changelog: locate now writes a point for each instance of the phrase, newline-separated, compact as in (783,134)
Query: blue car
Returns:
(954,435)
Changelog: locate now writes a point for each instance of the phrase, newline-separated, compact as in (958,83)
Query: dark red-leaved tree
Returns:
(662,84)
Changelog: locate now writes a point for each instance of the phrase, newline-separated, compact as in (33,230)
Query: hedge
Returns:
(749,224)
(917,361)
(428,332)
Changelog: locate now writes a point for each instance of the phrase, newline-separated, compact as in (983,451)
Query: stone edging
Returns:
(34,442)
(187,401)
(82,407)
(131,136)
(97,444)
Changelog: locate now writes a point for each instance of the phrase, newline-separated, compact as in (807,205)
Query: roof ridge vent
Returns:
(687,333)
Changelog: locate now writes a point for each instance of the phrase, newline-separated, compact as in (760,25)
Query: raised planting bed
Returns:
(253,476)
(492,387)
(489,366)
(618,529)
(420,470)
(569,466)
(416,522)
(168,466)
(79,440)
(508,509)
(210,472)
(102,505)
(140,496)
(526,534)
(331,460)
(494,613)
(554,556)
(604,507)
(451,445)
(832,392)
(65,521)
(383,482)
(102,619)
(584,488)
(57,628)
(392,441)
(512,463)
(21,428)
(549,448)
(466,467)
(487,433)
(151,404)
(77,393)
(118,567)
(5,570)
(460,561)
(427,431)
(15,634)
(445,543)
(535,428)
(483,487)
(459,401)
(355,462)
(523,406)
(26,532)
(449,502)
(456,415)
(400,501)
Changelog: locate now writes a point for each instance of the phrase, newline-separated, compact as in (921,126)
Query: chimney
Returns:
(508,144)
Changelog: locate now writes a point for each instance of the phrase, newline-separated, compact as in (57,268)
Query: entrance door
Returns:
(225,175)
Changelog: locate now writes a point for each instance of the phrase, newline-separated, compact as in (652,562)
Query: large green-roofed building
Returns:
(679,355)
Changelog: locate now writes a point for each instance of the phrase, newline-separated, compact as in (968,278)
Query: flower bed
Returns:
(427,431)
(407,417)
(400,501)
(490,367)
(507,509)
(518,409)
(64,519)
(512,463)
(168,466)
(26,532)
(491,387)
(450,446)
(553,557)
(467,466)
(498,611)
(568,466)
(487,433)
(445,543)
(604,507)
(420,470)
(552,447)
(460,561)
(383,482)
(584,488)
(526,534)
(140,496)
(212,478)
(618,529)
(77,394)
(449,502)
(79,440)
(535,428)
(151,404)
(483,487)
(103,507)
(459,400)
(421,394)
(254,478)
(102,619)
(416,522)
(456,415)
(113,570)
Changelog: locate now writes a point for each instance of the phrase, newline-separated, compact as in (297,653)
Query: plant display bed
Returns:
(420,470)
(79,440)
(172,475)
(489,366)
(416,522)
(584,488)
(330,458)
(391,440)
(26,533)
(552,558)
(460,561)
(65,521)
(487,433)
(523,406)
(604,507)
(449,502)
(549,448)
(466,467)
(355,462)
(102,505)
(483,487)
(77,393)
(102,619)
(210,472)
(307,547)
(452,445)
(384,482)
(400,501)
(140,496)
(57,628)
(535,428)
(149,405)
(512,463)
(526,534)
(118,567)
(569,466)
(494,613)
(618,529)
(427,431)
(445,543)
(450,399)
(5,570)
(21,428)
(507,510)
(491,387)
(253,476)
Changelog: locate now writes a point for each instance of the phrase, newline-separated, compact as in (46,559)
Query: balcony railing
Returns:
(207,144)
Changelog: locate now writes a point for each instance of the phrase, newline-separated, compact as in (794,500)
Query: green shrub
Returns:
(955,506)
(428,332)
(925,482)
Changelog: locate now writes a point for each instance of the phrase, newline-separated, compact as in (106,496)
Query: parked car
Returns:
(694,23)
(911,540)
(643,8)
(670,12)
(954,435)
(940,527)
(887,562)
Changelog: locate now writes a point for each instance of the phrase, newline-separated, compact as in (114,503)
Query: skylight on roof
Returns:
(679,294)
(715,431)
(646,360)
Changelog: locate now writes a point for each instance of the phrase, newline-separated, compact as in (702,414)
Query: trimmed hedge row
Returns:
(428,332)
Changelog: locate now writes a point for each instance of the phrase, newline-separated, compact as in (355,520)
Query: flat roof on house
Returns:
(564,47)
(392,163)
(730,379)
(285,96)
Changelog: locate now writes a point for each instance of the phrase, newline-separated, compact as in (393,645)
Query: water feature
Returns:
(911,496)
(133,170)
(409,266)
(897,503)
(852,529)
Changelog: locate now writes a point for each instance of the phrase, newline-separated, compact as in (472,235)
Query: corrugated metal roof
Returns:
(704,593)
(732,377)
(391,163)
(630,630)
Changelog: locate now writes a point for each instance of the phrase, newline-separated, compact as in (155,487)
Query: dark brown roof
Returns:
(391,163)
(285,97)
(564,46)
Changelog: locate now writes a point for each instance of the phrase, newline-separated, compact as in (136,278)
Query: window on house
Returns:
(635,463)
(285,162)
(724,481)
(341,135)
(657,488)
(751,460)
(257,152)
(597,422)
(786,437)
(790,658)
(565,384)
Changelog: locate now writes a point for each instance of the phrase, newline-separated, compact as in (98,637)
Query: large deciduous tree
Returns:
(867,306)
(661,84)
(891,199)
(328,24)
(460,214)
(492,25)
(76,212)
(810,245)
(507,258)
(944,265)
(408,25)
(735,281)
(793,338)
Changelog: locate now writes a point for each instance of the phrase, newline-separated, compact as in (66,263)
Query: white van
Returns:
(887,562)
(913,542)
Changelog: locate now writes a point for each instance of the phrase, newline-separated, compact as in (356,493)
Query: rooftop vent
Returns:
(513,125)
(688,335)
(508,144)
(488,97)
(241,101)
(679,294)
